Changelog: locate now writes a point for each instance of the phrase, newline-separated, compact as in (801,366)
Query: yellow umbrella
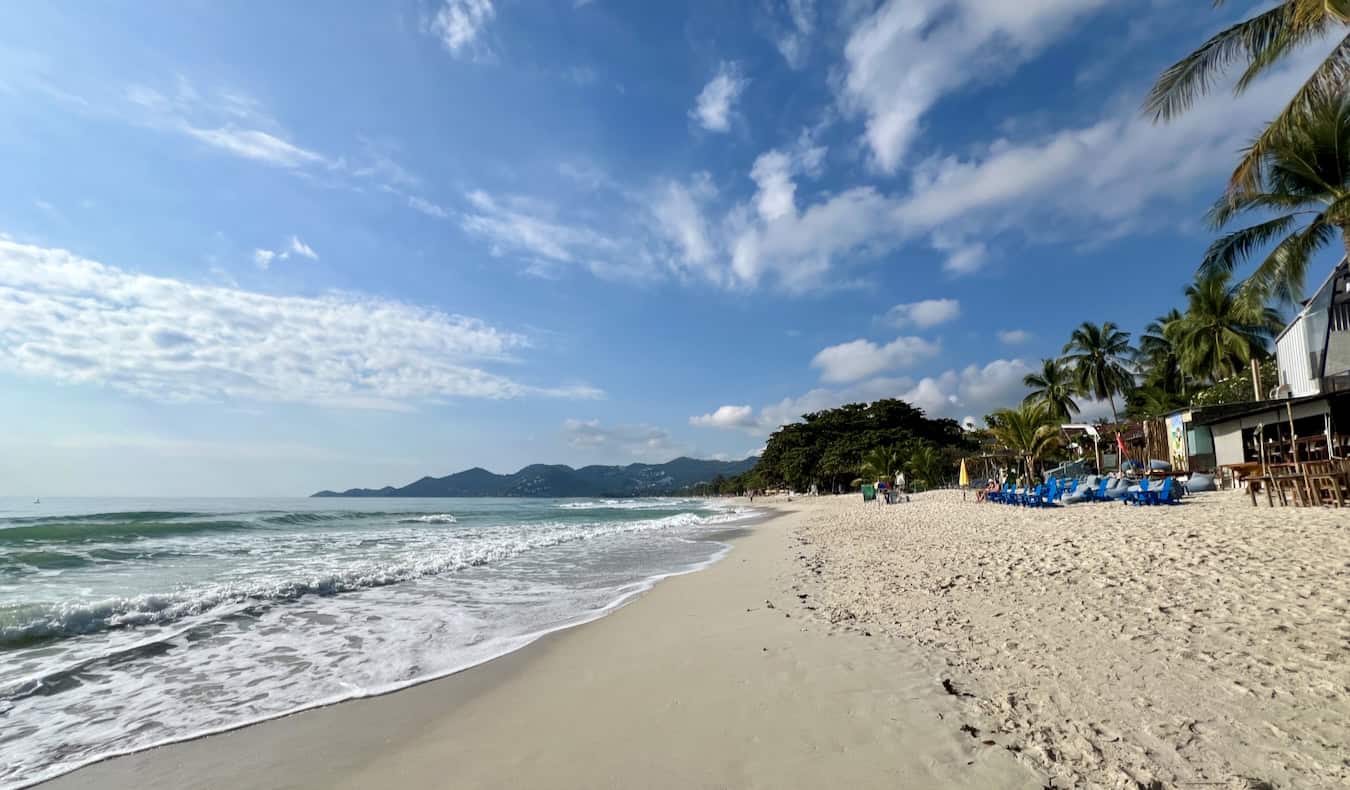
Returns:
(965,478)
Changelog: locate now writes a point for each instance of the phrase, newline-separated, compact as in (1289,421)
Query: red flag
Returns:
(1120,443)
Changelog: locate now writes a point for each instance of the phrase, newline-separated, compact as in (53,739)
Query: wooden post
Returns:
(1256,379)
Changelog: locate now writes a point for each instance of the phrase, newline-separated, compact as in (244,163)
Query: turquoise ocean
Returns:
(126,623)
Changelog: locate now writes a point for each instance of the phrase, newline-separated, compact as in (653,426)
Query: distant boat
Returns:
(37,501)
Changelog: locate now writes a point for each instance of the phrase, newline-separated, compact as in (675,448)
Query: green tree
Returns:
(880,463)
(1053,387)
(1152,400)
(927,466)
(1305,181)
(1029,430)
(1096,356)
(1260,43)
(1158,358)
(1222,329)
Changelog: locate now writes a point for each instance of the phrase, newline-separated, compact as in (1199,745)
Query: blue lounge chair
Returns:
(1099,494)
(1141,497)
(1161,496)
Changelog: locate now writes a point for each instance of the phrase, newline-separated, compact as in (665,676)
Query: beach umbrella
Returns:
(964,479)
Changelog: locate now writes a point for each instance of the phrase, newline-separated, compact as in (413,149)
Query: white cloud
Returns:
(300,248)
(860,359)
(924,314)
(263,258)
(638,442)
(458,23)
(908,54)
(727,417)
(77,321)
(975,390)
(1108,172)
(678,211)
(523,226)
(255,144)
(793,39)
(427,207)
(799,249)
(1013,337)
(712,108)
(772,173)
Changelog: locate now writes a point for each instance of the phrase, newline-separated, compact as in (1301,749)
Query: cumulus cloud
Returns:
(73,320)
(727,417)
(713,107)
(1013,337)
(973,390)
(924,314)
(860,359)
(908,54)
(459,23)
(639,442)
(958,394)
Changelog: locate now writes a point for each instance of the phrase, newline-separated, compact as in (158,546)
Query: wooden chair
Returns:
(1324,483)
(1290,478)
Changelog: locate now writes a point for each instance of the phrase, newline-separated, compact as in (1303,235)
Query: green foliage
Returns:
(829,448)
(1222,329)
(1304,178)
(1238,389)
(929,466)
(1030,430)
(1097,357)
(1053,388)
(1259,43)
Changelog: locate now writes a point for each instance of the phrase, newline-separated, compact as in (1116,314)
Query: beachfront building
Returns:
(1307,413)
(1313,352)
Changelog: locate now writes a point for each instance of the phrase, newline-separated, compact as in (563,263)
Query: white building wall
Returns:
(1291,357)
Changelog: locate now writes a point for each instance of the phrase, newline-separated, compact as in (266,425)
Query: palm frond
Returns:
(1183,82)
(1280,276)
(1329,78)
(1228,251)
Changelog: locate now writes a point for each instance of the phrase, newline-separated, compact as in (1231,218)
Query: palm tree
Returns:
(1260,42)
(1096,356)
(1223,329)
(880,463)
(1306,179)
(1030,430)
(1052,387)
(926,465)
(1159,358)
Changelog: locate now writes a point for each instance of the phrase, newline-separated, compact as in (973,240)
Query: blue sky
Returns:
(265,248)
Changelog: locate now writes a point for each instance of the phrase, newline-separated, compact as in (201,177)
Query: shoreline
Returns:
(511,707)
(522,643)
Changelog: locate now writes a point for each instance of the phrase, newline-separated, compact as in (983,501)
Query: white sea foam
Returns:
(277,620)
(430,518)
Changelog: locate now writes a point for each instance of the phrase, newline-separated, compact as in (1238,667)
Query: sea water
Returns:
(129,623)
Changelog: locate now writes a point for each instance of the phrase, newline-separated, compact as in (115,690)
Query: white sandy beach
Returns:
(1092,646)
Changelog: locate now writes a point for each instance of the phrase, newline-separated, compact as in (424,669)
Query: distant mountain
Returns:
(542,480)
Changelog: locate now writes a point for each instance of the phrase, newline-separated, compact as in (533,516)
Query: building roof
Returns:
(1208,415)
(1307,303)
